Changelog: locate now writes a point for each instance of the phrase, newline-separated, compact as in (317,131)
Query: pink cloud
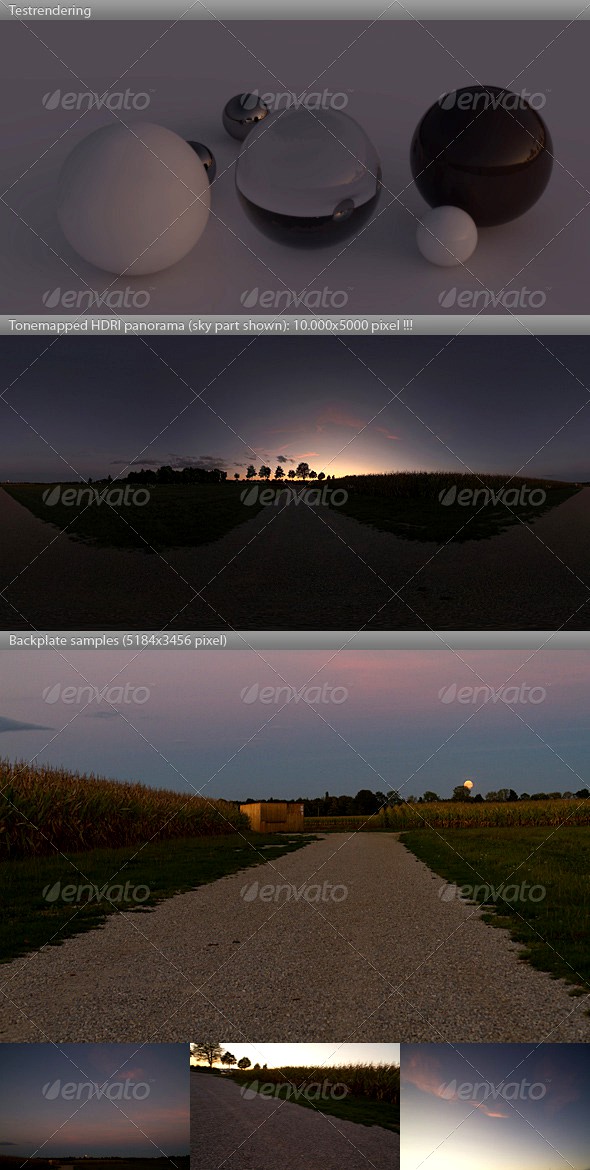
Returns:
(335,416)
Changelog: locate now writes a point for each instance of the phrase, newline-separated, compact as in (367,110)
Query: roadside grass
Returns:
(408,504)
(554,929)
(176,515)
(29,921)
(373,1097)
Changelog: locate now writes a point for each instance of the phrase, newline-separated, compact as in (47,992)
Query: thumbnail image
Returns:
(189,843)
(94,1107)
(295,483)
(269,1105)
(311,167)
(489,1103)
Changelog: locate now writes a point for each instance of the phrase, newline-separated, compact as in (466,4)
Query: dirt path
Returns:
(259,1133)
(301,568)
(371,952)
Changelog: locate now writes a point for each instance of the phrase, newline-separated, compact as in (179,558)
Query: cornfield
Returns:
(45,809)
(377,1082)
(428,485)
(460,815)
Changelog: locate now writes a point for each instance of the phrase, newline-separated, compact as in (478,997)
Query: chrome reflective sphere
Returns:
(308,179)
(242,113)
(206,158)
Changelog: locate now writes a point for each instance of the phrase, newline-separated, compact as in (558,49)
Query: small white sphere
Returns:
(133,200)
(446,236)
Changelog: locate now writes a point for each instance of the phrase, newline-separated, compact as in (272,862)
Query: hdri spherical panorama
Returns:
(485,150)
(308,178)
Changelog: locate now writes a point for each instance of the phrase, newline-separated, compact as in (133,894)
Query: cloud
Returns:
(281,458)
(177,462)
(336,417)
(16,725)
(425,1073)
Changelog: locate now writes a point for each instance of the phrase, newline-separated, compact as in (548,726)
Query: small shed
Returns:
(274,816)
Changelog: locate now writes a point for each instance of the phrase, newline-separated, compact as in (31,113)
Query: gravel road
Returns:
(374,955)
(536,578)
(263,1133)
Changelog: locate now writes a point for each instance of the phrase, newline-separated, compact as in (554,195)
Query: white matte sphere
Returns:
(133,201)
(447,236)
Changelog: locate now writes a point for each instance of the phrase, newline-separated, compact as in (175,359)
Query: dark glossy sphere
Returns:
(485,150)
(242,113)
(308,181)
(206,158)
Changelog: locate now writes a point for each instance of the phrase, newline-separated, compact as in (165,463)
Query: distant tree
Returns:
(228,1058)
(256,1066)
(430,797)
(291,473)
(492,797)
(279,473)
(512,795)
(302,471)
(236,475)
(478,799)
(524,796)
(264,472)
(583,793)
(250,471)
(244,1062)
(322,475)
(460,792)
(313,475)
(207,1053)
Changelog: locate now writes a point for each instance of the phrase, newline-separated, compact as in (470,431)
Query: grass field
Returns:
(408,504)
(372,1099)
(176,515)
(554,925)
(450,814)
(47,809)
(29,920)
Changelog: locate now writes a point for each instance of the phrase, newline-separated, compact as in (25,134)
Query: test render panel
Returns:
(126,188)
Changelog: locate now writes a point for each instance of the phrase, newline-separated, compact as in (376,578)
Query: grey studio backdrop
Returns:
(390,72)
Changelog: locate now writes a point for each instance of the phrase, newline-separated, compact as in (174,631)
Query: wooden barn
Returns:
(274,816)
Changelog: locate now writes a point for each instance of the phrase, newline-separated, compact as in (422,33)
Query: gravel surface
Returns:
(522,579)
(261,1133)
(390,961)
